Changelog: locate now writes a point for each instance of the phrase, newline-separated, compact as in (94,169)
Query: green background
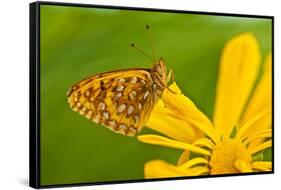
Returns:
(79,42)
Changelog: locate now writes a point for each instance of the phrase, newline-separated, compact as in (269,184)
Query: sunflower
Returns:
(241,128)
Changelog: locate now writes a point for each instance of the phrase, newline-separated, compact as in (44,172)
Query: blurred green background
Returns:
(78,42)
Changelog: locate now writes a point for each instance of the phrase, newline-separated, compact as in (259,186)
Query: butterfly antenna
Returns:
(150,41)
(141,51)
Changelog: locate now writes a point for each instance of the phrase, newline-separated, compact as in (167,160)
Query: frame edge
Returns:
(34,147)
(34,97)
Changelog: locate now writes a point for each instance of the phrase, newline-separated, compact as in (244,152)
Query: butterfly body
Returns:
(120,100)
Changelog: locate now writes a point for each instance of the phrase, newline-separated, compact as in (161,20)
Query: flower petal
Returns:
(163,141)
(260,147)
(259,117)
(242,166)
(262,96)
(182,108)
(267,133)
(164,123)
(260,168)
(183,157)
(162,169)
(204,142)
(193,162)
(199,170)
(237,73)
(180,103)
(261,99)
(262,165)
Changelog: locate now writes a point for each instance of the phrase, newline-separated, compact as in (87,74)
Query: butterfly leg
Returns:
(171,76)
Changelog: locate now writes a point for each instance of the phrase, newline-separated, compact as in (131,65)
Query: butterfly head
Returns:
(159,71)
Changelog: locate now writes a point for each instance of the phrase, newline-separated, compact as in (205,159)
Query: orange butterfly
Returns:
(120,100)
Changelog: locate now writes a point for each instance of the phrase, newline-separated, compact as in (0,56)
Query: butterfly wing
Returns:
(120,100)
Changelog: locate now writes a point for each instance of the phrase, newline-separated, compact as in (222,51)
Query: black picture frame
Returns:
(34,91)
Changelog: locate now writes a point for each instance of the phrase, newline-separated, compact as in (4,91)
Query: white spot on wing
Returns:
(87,93)
(101,106)
(121,81)
(112,123)
(119,88)
(117,96)
(130,109)
(123,127)
(134,80)
(145,95)
(136,118)
(139,106)
(133,95)
(121,108)
(131,131)
(106,115)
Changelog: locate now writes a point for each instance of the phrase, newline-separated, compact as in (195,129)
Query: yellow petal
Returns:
(262,96)
(259,117)
(242,166)
(238,71)
(199,170)
(180,103)
(162,169)
(163,141)
(183,157)
(261,99)
(262,146)
(164,123)
(204,142)
(182,108)
(193,162)
(262,135)
(260,168)
(262,165)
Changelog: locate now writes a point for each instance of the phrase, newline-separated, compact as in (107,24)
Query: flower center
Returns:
(226,154)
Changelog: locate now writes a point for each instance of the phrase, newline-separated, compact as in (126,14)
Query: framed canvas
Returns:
(120,94)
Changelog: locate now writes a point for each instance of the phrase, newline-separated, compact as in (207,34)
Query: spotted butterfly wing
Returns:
(120,100)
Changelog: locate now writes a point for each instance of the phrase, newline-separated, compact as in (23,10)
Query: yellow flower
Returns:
(241,125)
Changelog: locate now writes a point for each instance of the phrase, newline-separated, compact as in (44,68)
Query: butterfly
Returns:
(120,100)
